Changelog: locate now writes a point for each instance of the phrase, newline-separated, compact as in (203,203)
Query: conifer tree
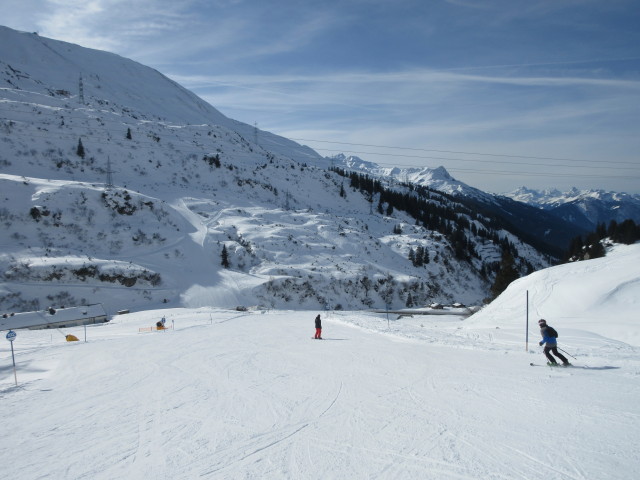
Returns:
(225,257)
(419,260)
(80,149)
(412,256)
(409,303)
(595,250)
(507,273)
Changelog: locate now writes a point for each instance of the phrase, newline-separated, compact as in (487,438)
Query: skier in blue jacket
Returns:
(550,343)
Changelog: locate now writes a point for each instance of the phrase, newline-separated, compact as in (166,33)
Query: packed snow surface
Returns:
(231,394)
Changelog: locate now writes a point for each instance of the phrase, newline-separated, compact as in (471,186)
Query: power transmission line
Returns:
(456,152)
(203,149)
(81,91)
(476,160)
(485,154)
(109,184)
(539,174)
(482,154)
(66,114)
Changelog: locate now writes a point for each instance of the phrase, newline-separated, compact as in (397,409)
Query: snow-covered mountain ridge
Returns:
(555,197)
(549,232)
(121,187)
(435,178)
(586,208)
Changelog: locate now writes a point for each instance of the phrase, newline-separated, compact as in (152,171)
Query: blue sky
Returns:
(503,93)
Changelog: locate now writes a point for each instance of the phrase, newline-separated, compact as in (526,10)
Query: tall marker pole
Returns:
(388,326)
(527,334)
(15,375)
(11,336)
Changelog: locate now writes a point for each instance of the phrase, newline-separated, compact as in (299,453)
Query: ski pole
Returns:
(567,353)
(582,361)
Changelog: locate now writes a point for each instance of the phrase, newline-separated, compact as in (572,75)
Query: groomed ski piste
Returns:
(232,395)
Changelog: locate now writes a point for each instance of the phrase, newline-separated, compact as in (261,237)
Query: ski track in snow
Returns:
(248,395)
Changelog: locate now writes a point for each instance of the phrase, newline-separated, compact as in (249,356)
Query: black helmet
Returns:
(542,321)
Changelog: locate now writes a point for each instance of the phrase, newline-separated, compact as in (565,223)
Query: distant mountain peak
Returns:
(586,208)
(441,173)
(435,178)
(553,196)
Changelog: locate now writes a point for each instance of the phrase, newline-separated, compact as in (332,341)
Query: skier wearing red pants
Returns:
(318,328)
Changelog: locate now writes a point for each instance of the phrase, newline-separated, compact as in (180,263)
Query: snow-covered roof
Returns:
(45,319)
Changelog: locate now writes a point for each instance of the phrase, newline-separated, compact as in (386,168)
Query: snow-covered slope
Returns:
(48,73)
(50,68)
(226,394)
(67,242)
(129,196)
(599,295)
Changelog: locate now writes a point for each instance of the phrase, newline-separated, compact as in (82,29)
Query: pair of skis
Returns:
(551,365)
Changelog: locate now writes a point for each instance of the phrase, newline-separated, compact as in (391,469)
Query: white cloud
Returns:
(110,24)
